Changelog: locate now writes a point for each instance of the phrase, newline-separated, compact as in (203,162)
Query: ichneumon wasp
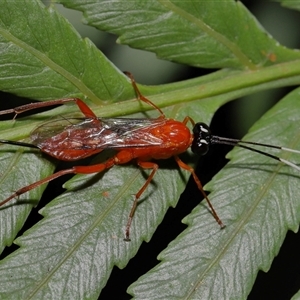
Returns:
(71,139)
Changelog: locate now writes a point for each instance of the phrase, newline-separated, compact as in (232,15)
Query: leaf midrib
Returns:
(52,65)
(236,51)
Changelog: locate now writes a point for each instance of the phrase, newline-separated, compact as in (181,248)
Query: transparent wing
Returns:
(101,133)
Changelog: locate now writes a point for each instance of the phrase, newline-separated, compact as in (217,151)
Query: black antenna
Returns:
(203,139)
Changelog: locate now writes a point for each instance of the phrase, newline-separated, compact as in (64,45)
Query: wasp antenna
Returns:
(242,144)
(287,162)
(284,161)
(290,150)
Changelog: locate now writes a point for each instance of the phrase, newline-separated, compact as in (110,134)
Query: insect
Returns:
(142,140)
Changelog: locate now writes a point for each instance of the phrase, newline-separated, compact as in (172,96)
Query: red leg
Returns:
(117,159)
(82,106)
(85,109)
(36,184)
(141,97)
(20,109)
(120,158)
(182,165)
(144,165)
(187,119)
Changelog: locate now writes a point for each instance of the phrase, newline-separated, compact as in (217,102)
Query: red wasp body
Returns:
(133,139)
(142,140)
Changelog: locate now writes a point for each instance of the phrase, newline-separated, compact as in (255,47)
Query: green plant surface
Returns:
(290,3)
(296,296)
(70,253)
(209,35)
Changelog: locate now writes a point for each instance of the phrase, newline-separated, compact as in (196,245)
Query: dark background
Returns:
(283,279)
